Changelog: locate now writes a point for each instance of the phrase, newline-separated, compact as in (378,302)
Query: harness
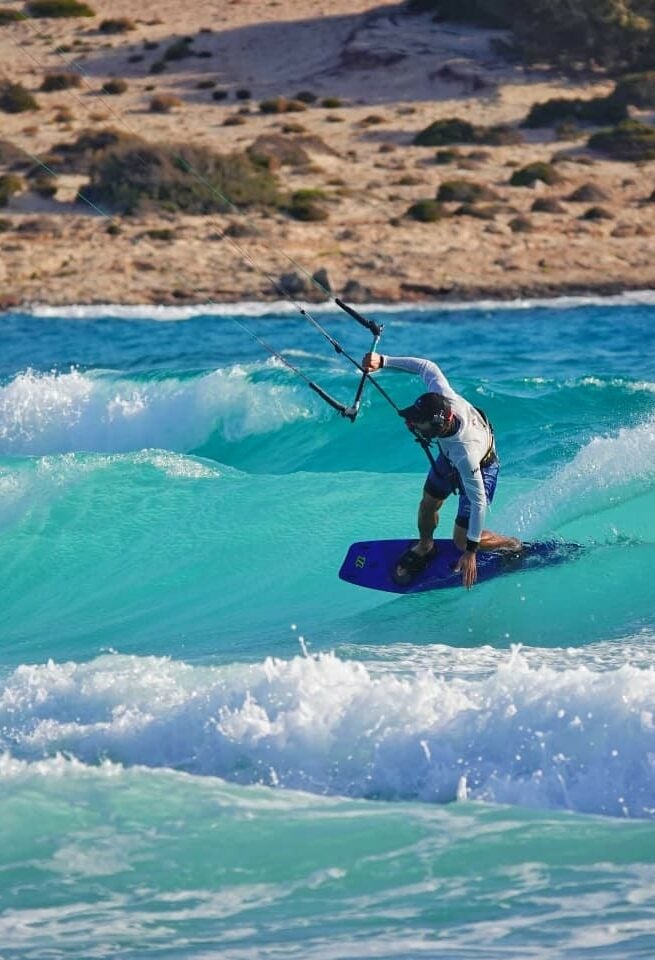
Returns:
(490,456)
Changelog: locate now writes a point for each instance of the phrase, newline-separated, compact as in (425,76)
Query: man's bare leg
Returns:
(488,541)
(428,519)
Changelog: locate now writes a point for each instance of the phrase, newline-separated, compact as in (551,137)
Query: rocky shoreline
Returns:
(384,77)
(424,297)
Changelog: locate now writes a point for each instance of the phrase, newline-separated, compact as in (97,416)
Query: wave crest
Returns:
(578,738)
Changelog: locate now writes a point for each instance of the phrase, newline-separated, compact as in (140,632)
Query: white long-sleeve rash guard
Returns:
(466,448)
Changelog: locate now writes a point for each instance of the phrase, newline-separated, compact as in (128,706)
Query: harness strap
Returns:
(491,455)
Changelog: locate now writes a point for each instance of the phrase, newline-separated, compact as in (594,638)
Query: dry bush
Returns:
(426,211)
(527,176)
(164,103)
(59,8)
(14,98)
(117,25)
(114,87)
(134,176)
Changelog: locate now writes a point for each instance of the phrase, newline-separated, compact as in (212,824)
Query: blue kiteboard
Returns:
(371,562)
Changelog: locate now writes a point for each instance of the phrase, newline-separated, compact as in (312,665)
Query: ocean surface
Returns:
(211,747)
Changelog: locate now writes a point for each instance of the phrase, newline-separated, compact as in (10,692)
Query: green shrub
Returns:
(165,234)
(426,211)
(478,156)
(60,81)
(408,180)
(238,230)
(474,210)
(59,8)
(219,95)
(499,135)
(282,105)
(10,16)
(547,205)
(454,130)
(276,105)
(441,133)
(331,103)
(164,103)
(14,98)
(607,33)
(587,193)
(597,111)
(307,205)
(521,225)
(597,213)
(306,96)
(630,140)
(464,191)
(80,155)
(242,94)
(205,84)
(117,25)
(179,49)
(528,175)
(444,157)
(9,186)
(133,176)
(157,66)
(115,87)
(5,225)
(637,90)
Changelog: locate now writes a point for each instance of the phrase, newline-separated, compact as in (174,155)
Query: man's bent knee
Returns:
(428,502)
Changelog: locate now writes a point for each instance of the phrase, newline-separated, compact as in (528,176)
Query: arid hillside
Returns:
(232,151)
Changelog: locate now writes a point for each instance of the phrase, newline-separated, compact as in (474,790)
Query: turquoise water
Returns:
(211,747)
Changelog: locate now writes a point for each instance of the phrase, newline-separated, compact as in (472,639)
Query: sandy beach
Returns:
(386,77)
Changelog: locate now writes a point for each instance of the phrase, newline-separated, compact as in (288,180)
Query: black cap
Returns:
(427,407)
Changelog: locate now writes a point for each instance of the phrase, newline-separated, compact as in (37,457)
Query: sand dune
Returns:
(393,74)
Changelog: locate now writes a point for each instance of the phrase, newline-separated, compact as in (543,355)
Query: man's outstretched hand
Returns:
(467,565)
(371,362)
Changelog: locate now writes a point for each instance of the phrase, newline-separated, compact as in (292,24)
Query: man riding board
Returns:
(467,464)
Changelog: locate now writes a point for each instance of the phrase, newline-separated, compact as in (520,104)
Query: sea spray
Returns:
(61,412)
(578,739)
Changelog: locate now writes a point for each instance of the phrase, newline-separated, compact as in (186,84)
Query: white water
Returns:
(574,737)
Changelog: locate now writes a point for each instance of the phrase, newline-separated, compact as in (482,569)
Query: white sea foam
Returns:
(43,413)
(576,738)
(592,480)
(284,307)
